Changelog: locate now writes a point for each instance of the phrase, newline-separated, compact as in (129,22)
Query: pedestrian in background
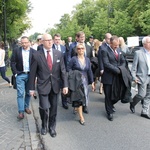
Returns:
(103,46)
(124,48)
(49,68)
(2,64)
(141,76)
(82,64)
(20,66)
(58,46)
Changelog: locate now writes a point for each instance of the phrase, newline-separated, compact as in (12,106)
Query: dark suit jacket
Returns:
(88,51)
(100,62)
(63,50)
(87,72)
(47,79)
(17,60)
(111,64)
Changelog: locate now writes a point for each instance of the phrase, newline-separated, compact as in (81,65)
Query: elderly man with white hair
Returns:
(141,75)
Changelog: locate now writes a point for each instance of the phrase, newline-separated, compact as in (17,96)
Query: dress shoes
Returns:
(145,116)
(28,111)
(52,133)
(85,109)
(65,106)
(43,131)
(20,116)
(132,108)
(110,117)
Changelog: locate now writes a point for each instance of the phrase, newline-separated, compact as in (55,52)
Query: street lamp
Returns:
(5,38)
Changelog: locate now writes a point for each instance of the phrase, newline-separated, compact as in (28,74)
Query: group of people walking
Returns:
(55,68)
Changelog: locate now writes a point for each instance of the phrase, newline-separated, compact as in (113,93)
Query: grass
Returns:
(8,72)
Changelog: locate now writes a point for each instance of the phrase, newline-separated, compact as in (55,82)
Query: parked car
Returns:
(130,54)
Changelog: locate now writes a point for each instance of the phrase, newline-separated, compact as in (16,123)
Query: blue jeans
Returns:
(23,95)
(3,74)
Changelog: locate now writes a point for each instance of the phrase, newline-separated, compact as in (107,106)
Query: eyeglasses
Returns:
(48,40)
(80,48)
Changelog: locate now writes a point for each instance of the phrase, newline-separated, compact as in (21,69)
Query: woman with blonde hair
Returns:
(123,46)
(82,64)
(94,61)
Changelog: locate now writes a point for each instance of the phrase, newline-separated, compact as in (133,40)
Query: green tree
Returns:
(145,20)
(16,17)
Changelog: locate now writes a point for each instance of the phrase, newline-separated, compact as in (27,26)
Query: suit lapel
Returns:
(43,58)
(20,54)
(112,53)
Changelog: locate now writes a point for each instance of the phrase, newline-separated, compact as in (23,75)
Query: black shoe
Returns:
(110,117)
(65,106)
(114,109)
(85,109)
(43,131)
(132,108)
(52,133)
(142,101)
(145,116)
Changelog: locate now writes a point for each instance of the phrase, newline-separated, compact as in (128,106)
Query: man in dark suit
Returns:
(103,47)
(20,66)
(67,45)
(81,39)
(88,53)
(112,60)
(49,68)
(58,46)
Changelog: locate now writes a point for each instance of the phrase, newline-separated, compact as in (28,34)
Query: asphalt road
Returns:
(126,132)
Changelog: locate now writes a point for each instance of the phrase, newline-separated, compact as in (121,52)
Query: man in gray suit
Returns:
(141,75)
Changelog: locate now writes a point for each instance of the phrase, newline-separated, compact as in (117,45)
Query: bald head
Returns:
(107,38)
(47,41)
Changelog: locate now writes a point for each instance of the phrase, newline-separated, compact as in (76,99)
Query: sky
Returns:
(46,13)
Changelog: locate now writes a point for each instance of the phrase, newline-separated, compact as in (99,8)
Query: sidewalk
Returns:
(14,134)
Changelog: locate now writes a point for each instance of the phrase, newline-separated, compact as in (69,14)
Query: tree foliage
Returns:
(16,17)
(97,17)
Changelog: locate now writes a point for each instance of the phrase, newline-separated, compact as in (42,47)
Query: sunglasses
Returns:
(80,48)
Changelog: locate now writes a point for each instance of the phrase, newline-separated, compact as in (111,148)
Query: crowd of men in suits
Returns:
(49,65)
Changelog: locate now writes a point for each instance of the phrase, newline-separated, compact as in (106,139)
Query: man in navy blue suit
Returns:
(112,60)
(103,47)
(57,45)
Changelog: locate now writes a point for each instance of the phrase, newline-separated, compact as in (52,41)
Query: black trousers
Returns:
(108,101)
(49,102)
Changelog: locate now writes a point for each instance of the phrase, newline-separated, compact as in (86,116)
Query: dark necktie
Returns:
(49,60)
(116,54)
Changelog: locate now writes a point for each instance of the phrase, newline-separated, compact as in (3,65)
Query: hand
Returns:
(65,90)
(137,81)
(32,93)
(101,72)
(93,87)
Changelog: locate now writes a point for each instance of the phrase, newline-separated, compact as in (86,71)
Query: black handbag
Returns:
(13,81)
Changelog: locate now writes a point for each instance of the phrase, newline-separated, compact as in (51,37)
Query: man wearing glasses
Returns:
(48,66)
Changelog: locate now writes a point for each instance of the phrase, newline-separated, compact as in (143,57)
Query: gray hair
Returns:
(144,40)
